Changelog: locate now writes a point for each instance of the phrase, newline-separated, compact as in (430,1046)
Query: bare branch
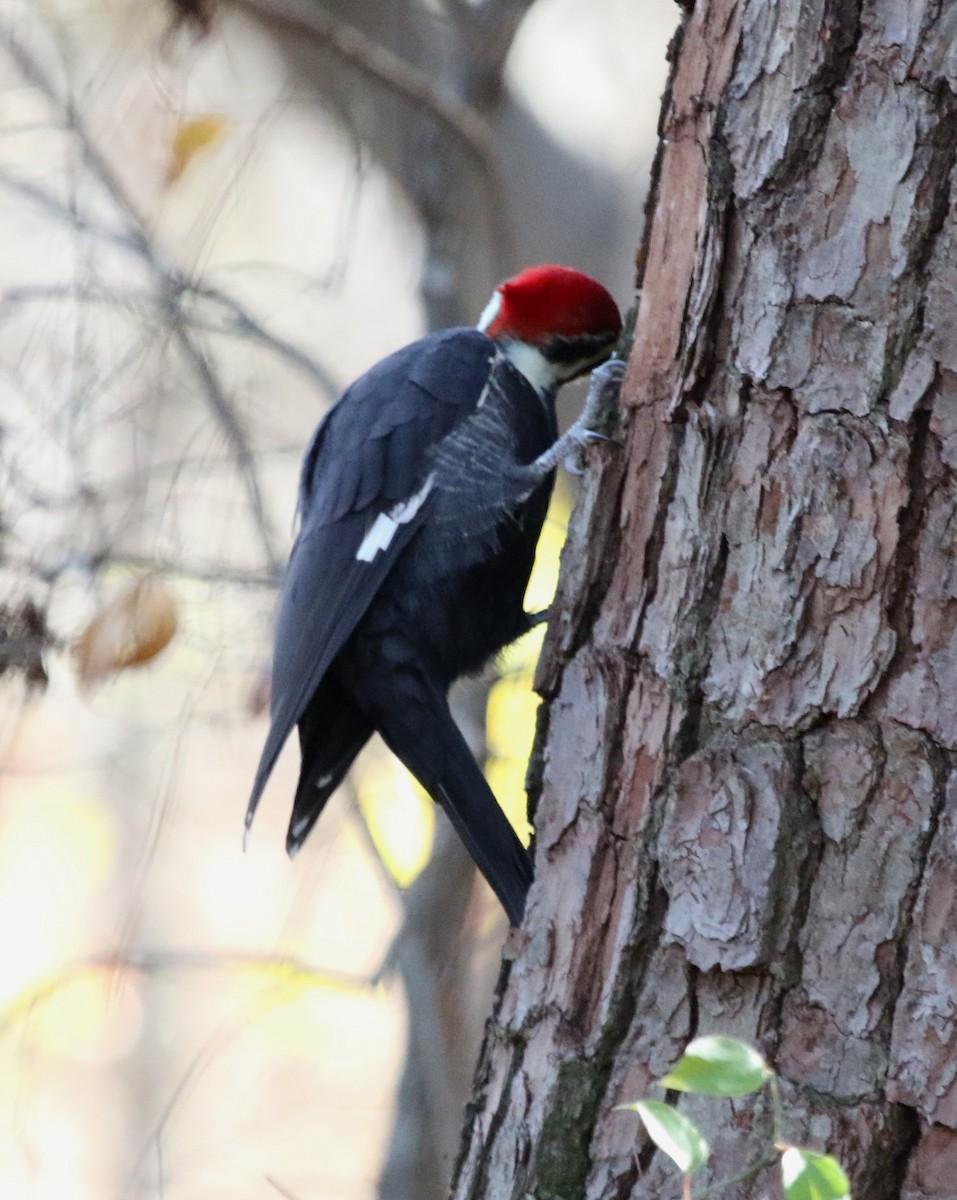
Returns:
(49,203)
(172,286)
(236,321)
(199,572)
(243,324)
(372,848)
(236,438)
(34,74)
(381,64)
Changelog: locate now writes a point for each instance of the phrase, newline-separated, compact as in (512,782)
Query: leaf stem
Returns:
(776,1115)
(748,1173)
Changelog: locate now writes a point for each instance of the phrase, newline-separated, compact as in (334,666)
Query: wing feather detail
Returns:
(472,503)
(364,490)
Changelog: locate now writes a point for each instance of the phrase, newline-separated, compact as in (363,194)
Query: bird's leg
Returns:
(602,393)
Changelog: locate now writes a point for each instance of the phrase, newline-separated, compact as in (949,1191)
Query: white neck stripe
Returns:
(536,368)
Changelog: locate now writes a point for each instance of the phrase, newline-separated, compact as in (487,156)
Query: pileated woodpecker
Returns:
(421,498)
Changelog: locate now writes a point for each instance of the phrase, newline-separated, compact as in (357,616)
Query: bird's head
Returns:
(554,323)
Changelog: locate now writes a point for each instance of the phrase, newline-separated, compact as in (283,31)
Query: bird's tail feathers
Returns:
(332,731)
(441,761)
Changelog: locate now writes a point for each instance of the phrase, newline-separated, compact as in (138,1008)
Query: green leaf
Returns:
(718,1066)
(672,1132)
(810,1176)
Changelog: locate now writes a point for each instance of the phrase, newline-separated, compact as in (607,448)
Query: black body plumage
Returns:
(380,613)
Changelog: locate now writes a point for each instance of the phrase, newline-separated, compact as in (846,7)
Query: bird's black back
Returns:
(372,632)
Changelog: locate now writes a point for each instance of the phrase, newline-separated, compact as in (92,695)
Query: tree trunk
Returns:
(746,786)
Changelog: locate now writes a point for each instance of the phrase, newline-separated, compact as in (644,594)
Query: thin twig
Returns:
(380,63)
(34,74)
(47,201)
(172,286)
(197,572)
(238,321)
(245,325)
(372,847)
(43,293)
(237,440)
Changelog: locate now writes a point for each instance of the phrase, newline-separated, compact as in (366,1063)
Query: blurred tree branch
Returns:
(172,288)
(439,145)
(279,971)
(379,63)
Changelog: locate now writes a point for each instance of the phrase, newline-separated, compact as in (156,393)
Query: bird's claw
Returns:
(605,378)
(610,372)
(602,388)
(574,460)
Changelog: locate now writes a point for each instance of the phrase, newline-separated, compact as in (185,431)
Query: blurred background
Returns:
(213,215)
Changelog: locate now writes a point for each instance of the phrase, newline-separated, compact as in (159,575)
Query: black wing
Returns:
(363,486)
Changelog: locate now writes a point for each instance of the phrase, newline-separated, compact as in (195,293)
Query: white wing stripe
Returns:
(378,538)
(384,527)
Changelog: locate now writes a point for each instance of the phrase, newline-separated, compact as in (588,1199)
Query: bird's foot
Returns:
(534,619)
(574,460)
(602,392)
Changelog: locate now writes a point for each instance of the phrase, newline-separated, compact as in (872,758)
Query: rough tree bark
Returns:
(746,780)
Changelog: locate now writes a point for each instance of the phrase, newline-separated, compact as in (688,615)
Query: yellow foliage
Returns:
(400,817)
(512,705)
(95,1014)
(192,137)
(544,580)
(65,839)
